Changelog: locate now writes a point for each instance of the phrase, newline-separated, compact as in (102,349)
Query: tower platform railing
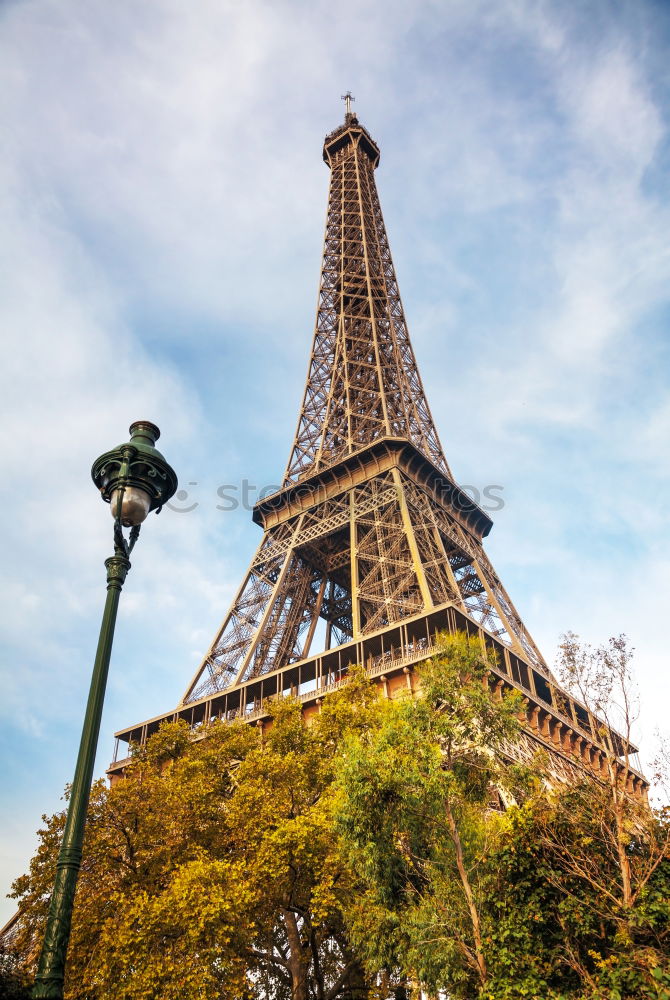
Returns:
(553,718)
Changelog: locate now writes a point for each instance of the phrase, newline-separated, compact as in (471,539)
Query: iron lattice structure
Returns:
(369,528)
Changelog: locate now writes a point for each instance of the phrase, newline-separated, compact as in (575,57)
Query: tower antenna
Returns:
(348,98)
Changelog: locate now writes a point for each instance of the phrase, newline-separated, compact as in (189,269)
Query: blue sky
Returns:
(162,219)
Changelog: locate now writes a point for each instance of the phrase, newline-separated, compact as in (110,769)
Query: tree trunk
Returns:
(624,861)
(618,792)
(469,895)
(356,987)
(298,958)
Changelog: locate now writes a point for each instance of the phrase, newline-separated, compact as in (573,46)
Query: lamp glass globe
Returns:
(135,505)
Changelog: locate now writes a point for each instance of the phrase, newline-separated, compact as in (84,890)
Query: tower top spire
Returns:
(350,134)
(347,98)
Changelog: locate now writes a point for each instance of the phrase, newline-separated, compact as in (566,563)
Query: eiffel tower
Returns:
(370,547)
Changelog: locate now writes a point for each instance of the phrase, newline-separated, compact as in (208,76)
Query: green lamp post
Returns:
(134,479)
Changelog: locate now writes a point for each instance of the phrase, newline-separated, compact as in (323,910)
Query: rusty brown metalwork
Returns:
(370,549)
(369,527)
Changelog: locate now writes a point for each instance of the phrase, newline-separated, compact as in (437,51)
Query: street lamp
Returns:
(133,479)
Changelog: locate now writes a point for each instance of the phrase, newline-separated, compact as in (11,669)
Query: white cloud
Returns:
(160,234)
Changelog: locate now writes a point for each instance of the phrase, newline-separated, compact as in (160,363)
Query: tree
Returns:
(360,854)
(563,895)
(602,678)
(605,848)
(213,869)
(413,809)
(14,984)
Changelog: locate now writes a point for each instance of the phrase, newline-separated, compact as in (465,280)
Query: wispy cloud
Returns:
(159,251)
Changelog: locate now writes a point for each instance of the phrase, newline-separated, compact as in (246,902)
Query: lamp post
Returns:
(134,479)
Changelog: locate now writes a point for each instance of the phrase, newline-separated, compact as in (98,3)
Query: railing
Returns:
(417,650)
(377,667)
(380,664)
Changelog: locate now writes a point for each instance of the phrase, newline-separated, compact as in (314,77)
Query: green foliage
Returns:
(355,856)
(413,804)
(528,903)
(212,870)
(610,945)
(14,984)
